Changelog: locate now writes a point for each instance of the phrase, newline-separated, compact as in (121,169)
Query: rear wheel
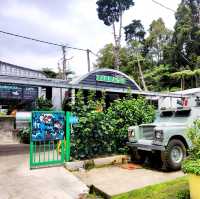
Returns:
(174,154)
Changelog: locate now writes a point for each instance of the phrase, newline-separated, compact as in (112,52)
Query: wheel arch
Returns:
(181,138)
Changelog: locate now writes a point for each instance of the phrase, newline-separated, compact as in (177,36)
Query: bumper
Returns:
(145,146)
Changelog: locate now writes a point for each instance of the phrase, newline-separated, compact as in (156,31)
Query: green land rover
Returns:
(166,137)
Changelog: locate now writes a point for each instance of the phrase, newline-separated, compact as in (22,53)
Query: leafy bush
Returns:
(101,131)
(192,163)
(184,194)
(24,135)
(43,104)
(124,113)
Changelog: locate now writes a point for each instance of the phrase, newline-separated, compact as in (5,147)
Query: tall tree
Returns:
(128,63)
(134,35)
(159,37)
(110,12)
(186,38)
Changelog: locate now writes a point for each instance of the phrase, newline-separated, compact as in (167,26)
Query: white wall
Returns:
(58,95)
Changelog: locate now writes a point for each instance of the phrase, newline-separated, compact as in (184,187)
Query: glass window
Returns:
(182,113)
(166,114)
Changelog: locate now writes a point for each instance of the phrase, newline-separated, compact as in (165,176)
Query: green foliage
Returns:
(134,31)
(158,77)
(167,190)
(128,58)
(183,194)
(101,131)
(49,73)
(106,57)
(177,50)
(24,135)
(110,11)
(183,74)
(192,163)
(43,104)
(124,113)
(159,37)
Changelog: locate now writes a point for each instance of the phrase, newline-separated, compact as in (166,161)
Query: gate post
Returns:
(68,130)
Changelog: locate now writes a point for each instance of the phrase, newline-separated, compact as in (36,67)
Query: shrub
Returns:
(101,131)
(124,113)
(24,135)
(43,104)
(192,163)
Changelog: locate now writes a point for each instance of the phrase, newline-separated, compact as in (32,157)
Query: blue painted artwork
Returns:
(73,119)
(48,126)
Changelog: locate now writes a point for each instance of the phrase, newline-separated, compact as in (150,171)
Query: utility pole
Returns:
(64,62)
(88,59)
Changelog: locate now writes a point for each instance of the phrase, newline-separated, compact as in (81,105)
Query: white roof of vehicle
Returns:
(189,91)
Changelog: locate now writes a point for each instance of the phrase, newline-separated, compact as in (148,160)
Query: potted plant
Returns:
(191,165)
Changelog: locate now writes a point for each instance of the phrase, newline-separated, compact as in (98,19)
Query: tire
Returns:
(137,156)
(174,154)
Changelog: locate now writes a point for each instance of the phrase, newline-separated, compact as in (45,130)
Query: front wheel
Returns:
(174,154)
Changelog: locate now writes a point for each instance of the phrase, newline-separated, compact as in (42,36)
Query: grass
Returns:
(167,190)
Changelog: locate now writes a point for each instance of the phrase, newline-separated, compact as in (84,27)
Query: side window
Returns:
(182,113)
(166,114)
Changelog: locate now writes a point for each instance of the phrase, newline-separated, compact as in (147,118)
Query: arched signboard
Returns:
(108,78)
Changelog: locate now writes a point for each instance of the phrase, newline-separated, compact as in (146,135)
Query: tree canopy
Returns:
(110,12)
(161,58)
(134,31)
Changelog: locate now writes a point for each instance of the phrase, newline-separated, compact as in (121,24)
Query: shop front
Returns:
(113,83)
(17,97)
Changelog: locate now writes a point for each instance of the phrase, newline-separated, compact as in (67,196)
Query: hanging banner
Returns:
(48,125)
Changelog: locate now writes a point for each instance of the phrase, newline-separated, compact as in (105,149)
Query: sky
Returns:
(70,22)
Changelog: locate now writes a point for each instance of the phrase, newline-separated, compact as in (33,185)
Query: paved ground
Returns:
(18,182)
(6,137)
(115,180)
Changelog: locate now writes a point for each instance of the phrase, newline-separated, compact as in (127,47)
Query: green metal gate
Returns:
(49,152)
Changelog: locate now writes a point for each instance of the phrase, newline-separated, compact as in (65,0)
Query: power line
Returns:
(93,53)
(162,5)
(41,41)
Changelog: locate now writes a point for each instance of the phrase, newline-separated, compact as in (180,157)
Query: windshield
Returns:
(173,117)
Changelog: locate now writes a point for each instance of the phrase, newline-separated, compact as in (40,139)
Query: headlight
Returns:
(159,134)
(131,133)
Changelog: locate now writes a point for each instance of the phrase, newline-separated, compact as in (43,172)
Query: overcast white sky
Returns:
(72,22)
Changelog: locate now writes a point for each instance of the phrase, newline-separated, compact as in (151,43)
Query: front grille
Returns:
(148,132)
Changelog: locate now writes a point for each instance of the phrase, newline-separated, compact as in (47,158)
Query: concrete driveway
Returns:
(115,180)
(18,182)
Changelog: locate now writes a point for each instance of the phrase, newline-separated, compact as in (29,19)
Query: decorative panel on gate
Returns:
(47,146)
(47,126)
